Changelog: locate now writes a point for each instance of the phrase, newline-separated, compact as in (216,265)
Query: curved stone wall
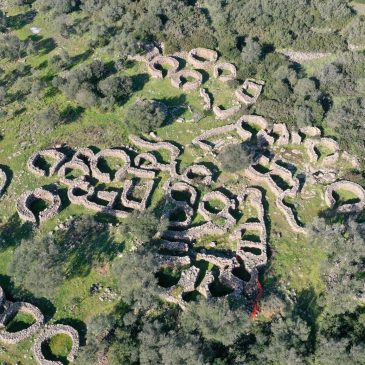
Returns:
(47,333)
(178,77)
(203,58)
(27,198)
(220,69)
(58,157)
(162,60)
(352,187)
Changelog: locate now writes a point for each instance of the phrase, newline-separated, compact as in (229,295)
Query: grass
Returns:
(293,262)
(20,322)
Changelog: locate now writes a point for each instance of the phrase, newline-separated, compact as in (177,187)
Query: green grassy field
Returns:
(292,259)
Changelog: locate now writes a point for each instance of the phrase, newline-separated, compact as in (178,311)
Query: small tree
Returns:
(235,157)
(116,86)
(48,118)
(252,51)
(141,227)
(86,98)
(37,266)
(144,116)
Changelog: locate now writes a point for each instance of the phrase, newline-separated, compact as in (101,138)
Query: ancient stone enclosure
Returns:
(225,227)
(39,329)
(194,191)
(190,77)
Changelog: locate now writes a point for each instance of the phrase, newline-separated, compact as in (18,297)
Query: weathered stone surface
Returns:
(27,198)
(47,333)
(203,58)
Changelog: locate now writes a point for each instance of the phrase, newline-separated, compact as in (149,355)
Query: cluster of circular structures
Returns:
(187,195)
(191,79)
(8,310)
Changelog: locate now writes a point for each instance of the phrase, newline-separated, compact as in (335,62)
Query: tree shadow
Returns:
(80,58)
(139,81)
(20,20)
(13,231)
(46,45)
(16,293)
(71,113)
(9,176)
(308,309)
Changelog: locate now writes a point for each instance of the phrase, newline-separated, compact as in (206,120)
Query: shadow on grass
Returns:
(139,81)
(20,20)
(13,231)
(16,293)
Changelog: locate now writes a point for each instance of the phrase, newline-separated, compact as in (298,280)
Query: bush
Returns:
(147,227)
(116,86)
(36,266)
(235,157)
(48,119)
(144,116)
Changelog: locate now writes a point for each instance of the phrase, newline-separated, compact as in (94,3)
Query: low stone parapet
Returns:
(172,62)
(203,58)
(26,199)
(177,80)
(49,332)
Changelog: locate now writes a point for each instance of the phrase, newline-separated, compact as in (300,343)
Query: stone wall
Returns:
(352,187)
(58,157)
(220,69)
(206,99)
(222,114)
(13,309)
(162,60)
(49,332)
(26,199)
(178,77)
(3,181)
(202,58)
(250,86)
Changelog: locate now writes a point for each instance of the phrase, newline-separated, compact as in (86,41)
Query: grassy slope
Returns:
(293,261)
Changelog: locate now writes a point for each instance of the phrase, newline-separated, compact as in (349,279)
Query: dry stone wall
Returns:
(26,199)
(43,332)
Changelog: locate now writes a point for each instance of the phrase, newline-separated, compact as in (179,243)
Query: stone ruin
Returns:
(25,201)
(351,187)
(49,332)
(221,68)
(172,62)
(188,192)
(9,311)
(203,59)
(55,155)
(181,80)
(42,332)
(249,92)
